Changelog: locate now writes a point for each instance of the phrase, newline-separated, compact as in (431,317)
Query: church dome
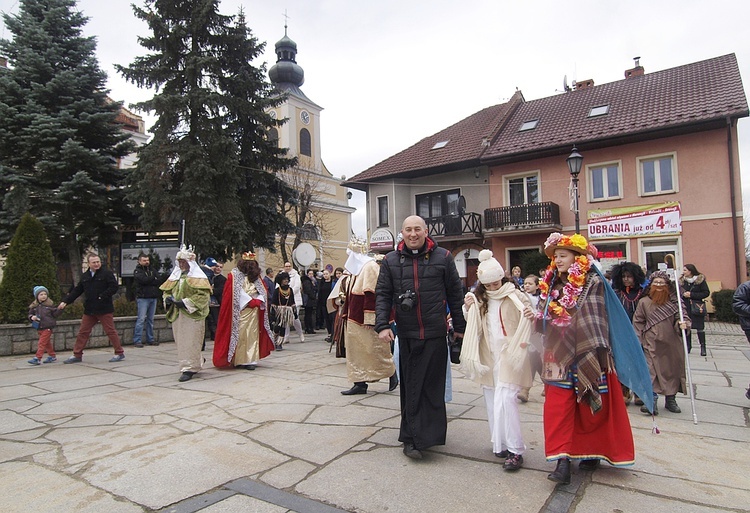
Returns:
(286,69)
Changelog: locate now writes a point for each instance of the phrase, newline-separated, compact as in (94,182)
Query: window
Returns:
(305,143)
(438,204)
(523,190)
(441,144)
(612,253)
(383,211)
(604,182)
(273,136)
(657,175)
(599,111)
(529,125)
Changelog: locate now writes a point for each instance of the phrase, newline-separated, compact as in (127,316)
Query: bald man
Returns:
(418,280)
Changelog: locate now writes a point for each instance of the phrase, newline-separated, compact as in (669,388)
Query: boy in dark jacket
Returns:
(45,313)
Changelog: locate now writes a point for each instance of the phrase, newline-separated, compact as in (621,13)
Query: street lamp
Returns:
(574,165)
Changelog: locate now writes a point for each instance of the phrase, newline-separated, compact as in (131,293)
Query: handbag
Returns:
(35,325)
(455,345)
(697,308)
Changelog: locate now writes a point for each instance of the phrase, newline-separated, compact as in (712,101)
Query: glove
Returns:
(179,303)
(168,301)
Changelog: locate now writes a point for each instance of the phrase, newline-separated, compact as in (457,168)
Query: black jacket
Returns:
(219,281)
(147,282)
(432,275)
(309,292)
(741,304)
(698,290)
(98,289)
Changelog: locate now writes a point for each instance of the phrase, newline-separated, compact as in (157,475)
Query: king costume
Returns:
(243,333)
(368,359)
(186,298)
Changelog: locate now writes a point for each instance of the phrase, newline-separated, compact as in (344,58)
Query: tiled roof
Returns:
(463,148)
(691,94)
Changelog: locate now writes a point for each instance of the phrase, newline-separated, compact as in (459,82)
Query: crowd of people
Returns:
(597,343)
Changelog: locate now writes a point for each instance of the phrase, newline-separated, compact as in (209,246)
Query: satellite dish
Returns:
(461,205)
(304,254)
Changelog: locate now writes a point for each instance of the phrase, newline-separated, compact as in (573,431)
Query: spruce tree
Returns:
(209,162)
(58,138)
(29,263)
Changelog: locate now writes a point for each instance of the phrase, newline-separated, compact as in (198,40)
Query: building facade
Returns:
(660,174)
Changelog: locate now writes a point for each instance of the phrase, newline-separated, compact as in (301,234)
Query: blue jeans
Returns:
(146,311)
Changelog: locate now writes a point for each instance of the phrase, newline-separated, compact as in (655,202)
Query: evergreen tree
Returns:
(209,162)
(30,263)
(58,138)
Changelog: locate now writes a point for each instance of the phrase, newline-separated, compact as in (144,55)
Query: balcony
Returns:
(526,218)
(455,227)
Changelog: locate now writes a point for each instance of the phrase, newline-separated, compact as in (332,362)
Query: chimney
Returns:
(583,84)
(637,71)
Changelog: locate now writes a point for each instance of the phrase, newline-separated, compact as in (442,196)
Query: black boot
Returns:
(671,404)
(689,342)
(562,472)
(702,340)
(392,382)
(359,388)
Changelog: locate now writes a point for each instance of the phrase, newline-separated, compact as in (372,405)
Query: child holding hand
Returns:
(43,312)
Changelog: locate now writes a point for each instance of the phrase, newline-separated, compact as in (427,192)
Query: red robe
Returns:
(224,326)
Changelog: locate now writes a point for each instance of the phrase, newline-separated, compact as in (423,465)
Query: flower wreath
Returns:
(557,308)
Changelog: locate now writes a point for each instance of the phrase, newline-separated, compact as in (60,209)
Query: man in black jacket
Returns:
(146,281)
(99,285)
(218,280)
(741,306)
(419,279)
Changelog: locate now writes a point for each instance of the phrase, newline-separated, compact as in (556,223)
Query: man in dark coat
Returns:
(218,280)
(741,306)
(99,285)
(419,279)
(147,281)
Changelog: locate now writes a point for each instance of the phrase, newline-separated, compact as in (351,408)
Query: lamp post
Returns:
(574,165)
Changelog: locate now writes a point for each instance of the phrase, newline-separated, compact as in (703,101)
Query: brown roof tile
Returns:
(463,149)
(690,94)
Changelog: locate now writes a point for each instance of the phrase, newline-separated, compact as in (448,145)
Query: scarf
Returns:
(515,348)
(662,312)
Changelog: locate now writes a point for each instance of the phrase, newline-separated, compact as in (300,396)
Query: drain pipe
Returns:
(733,197)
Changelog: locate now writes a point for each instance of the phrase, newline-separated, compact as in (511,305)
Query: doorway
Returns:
(655,253)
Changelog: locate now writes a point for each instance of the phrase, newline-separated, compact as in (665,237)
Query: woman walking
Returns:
(694,291)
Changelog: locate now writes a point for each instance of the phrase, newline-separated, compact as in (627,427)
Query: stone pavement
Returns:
(127,437)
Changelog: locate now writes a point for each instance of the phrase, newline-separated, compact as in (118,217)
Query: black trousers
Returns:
(422,367)
(309,319)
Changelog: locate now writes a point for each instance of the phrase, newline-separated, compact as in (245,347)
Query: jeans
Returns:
(146,311)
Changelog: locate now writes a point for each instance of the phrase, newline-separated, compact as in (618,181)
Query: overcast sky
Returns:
(390,72)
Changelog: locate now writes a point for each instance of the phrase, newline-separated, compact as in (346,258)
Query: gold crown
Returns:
(248,255)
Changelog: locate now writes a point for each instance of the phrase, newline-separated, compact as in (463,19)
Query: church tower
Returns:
(328,226)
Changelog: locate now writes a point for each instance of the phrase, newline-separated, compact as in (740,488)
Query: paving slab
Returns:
(54,492)
(361,484)
(180,466)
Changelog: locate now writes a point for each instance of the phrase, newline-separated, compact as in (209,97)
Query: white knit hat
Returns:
(489,269)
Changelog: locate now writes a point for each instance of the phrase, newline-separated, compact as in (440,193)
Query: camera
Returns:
(406,300)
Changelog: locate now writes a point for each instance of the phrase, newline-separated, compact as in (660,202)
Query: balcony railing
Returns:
(455,226)
(522,217)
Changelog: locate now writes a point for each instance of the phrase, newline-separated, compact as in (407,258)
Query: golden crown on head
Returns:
(186,253)
(358,245)
(248,255)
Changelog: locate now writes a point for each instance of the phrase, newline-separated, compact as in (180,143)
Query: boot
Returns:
(671,404)
(393,382)
(702,340)
(359,388)
(562,472)
(689,342)
(644,408)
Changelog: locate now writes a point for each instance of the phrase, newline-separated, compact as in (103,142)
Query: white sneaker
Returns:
(301,337)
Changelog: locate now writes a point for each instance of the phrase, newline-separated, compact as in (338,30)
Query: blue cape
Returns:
(630,363)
